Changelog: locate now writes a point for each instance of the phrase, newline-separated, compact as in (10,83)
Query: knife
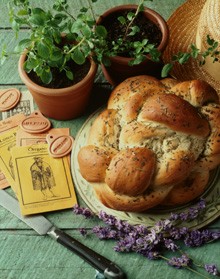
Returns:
(44,227)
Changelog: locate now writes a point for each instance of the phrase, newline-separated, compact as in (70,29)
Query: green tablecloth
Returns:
(24,254)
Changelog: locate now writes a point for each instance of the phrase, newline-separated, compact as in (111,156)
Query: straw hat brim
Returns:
(183,29)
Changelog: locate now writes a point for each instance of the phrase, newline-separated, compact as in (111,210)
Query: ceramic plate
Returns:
(211,195)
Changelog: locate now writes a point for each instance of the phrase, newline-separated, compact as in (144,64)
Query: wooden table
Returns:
(26,255)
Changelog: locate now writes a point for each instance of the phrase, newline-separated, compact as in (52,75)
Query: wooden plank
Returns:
(30,256)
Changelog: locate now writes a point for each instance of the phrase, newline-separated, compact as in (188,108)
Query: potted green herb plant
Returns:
(61,46)
(58,63)
(136,38)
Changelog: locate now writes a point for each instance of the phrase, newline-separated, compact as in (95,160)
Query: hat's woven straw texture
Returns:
(190,24)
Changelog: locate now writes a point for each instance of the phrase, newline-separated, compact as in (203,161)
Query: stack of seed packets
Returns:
(14,106)
(5,126)
(35,161)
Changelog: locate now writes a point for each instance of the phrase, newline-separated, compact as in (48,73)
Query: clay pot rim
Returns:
(53,91)
(153,14)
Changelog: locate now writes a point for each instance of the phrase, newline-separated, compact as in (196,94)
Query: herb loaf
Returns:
(154,144)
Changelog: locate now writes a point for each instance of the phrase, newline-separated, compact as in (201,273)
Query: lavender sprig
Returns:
(153,242)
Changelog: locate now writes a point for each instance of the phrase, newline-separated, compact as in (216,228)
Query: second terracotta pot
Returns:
(60,104)
(119,69)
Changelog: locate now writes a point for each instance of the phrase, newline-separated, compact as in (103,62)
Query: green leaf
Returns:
(56,55)
(166,69)
(77,26)
(43,50)
(141,7)
(137,60)
(101,31)
(184,58)
(22,13)
(24,43)
(83,10)
(122,20)
(130,16)
(86,31)
(46,76)
(78,57)
(135,30)
(30,64)
(69,74)
(209,40)
(38,11)
(106,61)
(37,20)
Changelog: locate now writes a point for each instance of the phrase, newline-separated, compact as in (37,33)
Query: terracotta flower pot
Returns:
(60,104)
(119,69)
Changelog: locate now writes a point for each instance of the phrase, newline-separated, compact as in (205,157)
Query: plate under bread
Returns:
(150,217)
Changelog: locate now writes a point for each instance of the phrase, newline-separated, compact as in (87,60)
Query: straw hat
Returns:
(190,24)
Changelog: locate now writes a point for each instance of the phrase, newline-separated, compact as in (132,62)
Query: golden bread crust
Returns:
(155,143)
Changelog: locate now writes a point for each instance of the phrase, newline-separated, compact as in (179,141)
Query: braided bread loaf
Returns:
(156,143)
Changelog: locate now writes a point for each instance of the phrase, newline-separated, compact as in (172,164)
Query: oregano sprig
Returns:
(194,53)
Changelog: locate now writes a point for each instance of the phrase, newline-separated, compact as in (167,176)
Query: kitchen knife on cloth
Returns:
(43,226)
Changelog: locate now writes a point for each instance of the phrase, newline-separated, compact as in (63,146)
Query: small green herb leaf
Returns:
(135,30)
(130,16)
(37,20)
(101,31)
(43,50)
(78,56)
(46,76)
(69,74)
(122,20)
(166,69)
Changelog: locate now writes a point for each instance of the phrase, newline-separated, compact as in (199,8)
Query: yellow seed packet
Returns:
(23,138)
(5,126)
(7,142)
(43,182)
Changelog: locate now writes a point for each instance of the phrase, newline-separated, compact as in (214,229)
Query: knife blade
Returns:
(44,227)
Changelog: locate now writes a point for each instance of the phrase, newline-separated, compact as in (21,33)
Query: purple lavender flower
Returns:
(163,225)
(184,216)
(178,233)
(152,255)
(104,232)
(170,245)
(194,239)
(201,204)
(197,238)
(82,211)
(193,213)
(141,230)
(174,216)
(216,235)
(154,237)
(124,245)
(211,269)
(106,218)
(179,262)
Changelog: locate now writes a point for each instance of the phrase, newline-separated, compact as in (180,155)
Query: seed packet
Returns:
(5,126)
(23,138)
(7,142)
(43,183)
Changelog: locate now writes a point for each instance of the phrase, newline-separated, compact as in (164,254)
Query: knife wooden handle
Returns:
(105,266)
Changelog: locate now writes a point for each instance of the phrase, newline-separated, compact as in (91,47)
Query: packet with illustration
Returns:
(43,183)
